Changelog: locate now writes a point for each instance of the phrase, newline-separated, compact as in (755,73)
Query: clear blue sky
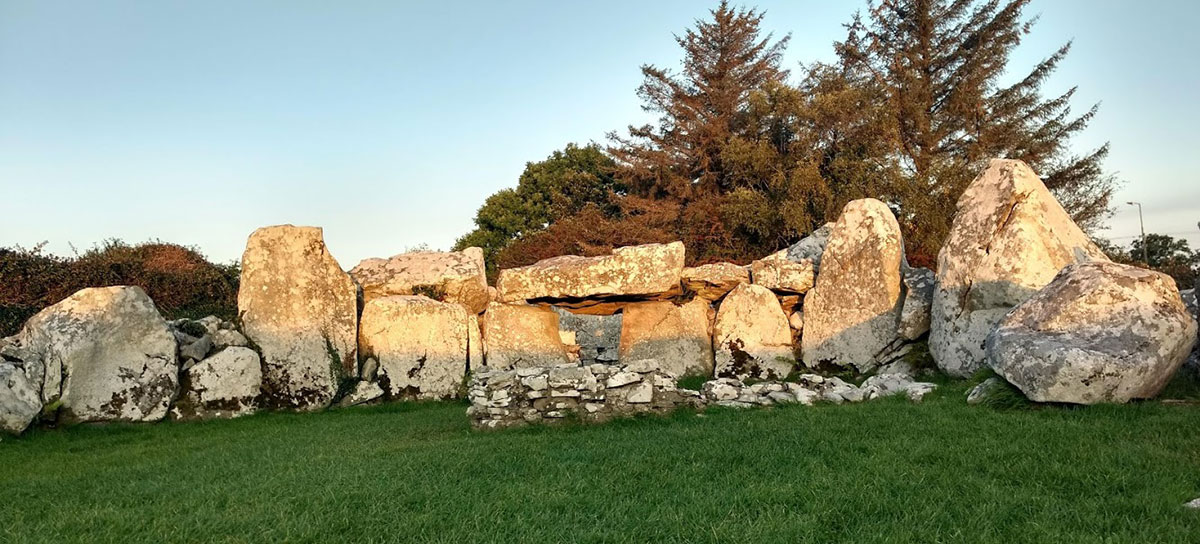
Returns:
(388,123)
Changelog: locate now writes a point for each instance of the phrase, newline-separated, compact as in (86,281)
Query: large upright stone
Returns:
(850,316)
(679,337)
(520,335)
(751,336)
(1008,240)
(104,354)
(457,276)
(20,400)
(1099,332)
(713,281)
(300,309)
(633,271)
(421,344)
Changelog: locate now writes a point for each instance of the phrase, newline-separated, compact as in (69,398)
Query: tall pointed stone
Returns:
(1009,238)
(300,308)
(850,317)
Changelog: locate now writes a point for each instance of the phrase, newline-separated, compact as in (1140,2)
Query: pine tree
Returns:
(940,65)
(725,60)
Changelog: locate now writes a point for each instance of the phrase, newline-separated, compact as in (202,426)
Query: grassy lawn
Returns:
(883,471)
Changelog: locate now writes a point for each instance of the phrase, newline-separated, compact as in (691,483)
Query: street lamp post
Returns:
(1142,225)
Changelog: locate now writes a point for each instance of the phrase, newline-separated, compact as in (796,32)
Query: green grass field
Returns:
(882,471)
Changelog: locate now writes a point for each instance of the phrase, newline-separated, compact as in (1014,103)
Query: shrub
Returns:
(179,279)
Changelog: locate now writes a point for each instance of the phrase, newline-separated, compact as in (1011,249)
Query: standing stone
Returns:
(20,400)
(751,336)
(646,270)
(811,247)
(1099,332)
(225,385)
(713,281)
(520,335)
(421,345)
(779,274)
(456,276)
(300,309)
(598,336)
(104,353)
(850,316)
(918,302)
(678,337)
(1008,240)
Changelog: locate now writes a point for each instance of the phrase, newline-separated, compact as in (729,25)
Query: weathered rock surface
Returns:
(751,336)
(225,385)
(1193,305)
(105,353)
(986,390)
(633,271)
(520,335)
(918,302)
(782,275)
(457,276)
(1099,332)
(811,247)
(851,315)
(299,307)
(679,337)
(713,281)
(421,345)
(598,336)
(1009,238)
(20,400)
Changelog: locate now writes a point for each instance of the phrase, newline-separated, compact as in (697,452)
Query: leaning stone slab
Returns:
(678,337)
(457,276)
(1008,240)
(633,271)
(850,316)
(421,345)
(520,335)
(225,385)
(299,307)
(751,336)
(811,247)
(1099,332)
(103,354)
(918,301)
(713,281)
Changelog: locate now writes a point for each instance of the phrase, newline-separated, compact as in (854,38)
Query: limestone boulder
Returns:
(713,281)
(521,336)
(421,345)
(20,399)
(102,354)
(751,336)
(456,276)
(1100,332)
(850,317)
(598,336)
(918,302)
(679,337)
(782,275)
(227,384)
(1008,240)
(811,247)
(634,271)
(1193,305)
(300,308)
